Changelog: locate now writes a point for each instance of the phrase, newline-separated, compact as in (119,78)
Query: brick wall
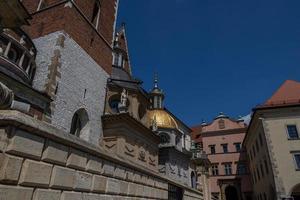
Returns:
(40,162)
(74,18)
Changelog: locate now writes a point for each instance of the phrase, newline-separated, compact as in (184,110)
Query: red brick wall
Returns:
(96,43)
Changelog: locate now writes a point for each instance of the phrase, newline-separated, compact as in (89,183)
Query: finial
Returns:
(155,80)
(203,123)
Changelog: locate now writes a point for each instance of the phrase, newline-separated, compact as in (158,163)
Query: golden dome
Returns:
(162,118)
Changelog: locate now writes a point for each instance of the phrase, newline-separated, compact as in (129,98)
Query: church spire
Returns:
(156,95)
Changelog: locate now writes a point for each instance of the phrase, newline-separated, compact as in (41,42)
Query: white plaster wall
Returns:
(78,72)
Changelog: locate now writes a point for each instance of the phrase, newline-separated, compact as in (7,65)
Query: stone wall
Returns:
(40,162)
(73,79)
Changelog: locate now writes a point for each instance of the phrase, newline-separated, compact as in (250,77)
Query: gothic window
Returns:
(96,14)
(164,138)
(80,122)
(142,111)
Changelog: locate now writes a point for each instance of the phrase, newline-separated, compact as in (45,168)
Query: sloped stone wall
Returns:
(39,162)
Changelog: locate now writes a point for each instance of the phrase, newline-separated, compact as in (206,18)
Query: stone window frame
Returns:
(212,146)
(225,147)
(288,134)
(97,15)
(215,169)
(227,168)
(294,154)
(240,146)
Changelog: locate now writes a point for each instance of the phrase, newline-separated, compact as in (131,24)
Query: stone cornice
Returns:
(111,120)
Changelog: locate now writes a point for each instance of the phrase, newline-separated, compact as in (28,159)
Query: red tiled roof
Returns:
(287,94)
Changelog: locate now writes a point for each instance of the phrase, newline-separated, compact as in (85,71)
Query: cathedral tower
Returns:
(74,42)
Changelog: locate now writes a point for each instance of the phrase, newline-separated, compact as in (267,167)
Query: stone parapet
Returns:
(39,161)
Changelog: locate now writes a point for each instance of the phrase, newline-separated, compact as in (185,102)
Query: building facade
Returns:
(273,146)
(222,141)
(75,124)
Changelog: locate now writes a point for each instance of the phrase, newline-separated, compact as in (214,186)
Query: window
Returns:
(258,174)
(266,166)
(215,169)
(96,14)
(225,148)
(297,160)
(260,139)
(265,196)
(253,150)
(212,149)
(80,122)
(237,147)
(227,169)
(241,169)
(254,176)
(164,138)
(42,4)
(262,170)
(292,132)
(118,60)
(257,146)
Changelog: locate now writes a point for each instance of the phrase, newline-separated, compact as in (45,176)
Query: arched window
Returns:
(80,122)
(164,138)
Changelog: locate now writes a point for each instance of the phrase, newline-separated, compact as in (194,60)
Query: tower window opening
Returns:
(96,14)
(80,123)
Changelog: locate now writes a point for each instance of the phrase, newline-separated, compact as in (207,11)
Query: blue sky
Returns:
(213,55)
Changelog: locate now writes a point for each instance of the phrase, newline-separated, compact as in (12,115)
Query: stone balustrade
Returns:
(40,162)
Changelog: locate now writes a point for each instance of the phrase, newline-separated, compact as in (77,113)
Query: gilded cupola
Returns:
(157,115)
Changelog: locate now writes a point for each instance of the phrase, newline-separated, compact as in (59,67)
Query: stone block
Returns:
(120,172)
(77,159)
(15,193)
(87,196)
(35,173)
(99,183)
(10,168)
(43,194)
(26,144)
(3,139)
(124,187)
(71,196)
(108,168)
(113,186)
(62,178)
(55,153)
(139,190)
(94,165)
(132,189)
(83,181)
